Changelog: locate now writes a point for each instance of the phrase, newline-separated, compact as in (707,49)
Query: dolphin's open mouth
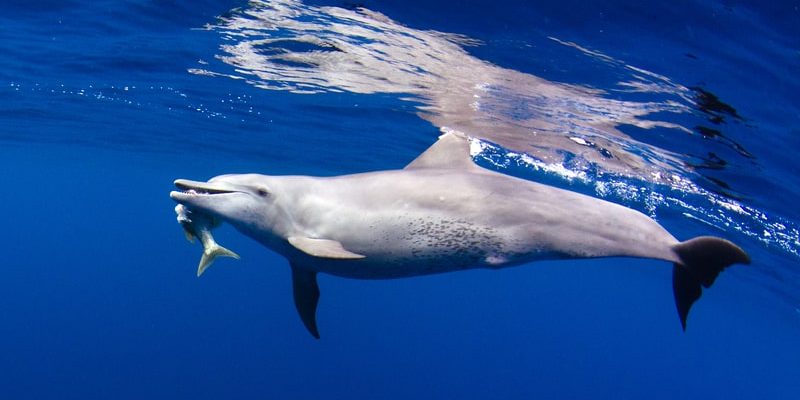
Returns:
(201,187)
(193,189)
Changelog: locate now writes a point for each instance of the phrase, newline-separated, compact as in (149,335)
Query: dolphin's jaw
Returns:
(194,187)
(198,194)
(189,195)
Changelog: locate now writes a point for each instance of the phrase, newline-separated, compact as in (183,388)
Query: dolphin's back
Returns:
(476,217)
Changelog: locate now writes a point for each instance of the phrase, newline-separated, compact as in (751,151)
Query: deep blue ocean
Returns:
(688,111)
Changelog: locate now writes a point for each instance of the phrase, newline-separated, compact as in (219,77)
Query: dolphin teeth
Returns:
(206,191)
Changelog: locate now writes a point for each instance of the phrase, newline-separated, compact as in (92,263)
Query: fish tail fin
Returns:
(701,261)
(210,254)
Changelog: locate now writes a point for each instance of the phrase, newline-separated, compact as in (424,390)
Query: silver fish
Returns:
(200,226)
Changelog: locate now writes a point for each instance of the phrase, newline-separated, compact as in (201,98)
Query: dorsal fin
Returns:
(451,151)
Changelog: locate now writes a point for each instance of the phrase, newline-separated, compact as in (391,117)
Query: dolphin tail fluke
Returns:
(701,261)
(210,254)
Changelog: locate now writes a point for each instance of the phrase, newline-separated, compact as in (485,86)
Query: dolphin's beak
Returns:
(192,190)
(209,188)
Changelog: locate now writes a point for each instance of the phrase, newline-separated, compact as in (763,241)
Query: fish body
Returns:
(198,225)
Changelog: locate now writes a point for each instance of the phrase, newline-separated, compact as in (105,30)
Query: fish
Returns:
(199,226)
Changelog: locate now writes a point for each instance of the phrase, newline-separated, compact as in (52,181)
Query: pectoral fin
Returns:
(306,297)
(188,234)
(323,248)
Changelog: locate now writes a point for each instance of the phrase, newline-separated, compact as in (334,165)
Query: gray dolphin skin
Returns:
(441,213)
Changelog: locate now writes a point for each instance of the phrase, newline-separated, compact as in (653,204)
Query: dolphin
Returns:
(441,213)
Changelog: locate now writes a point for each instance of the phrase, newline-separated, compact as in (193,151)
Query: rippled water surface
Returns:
(687,111)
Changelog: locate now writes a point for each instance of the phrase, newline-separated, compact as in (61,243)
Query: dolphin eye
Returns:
(262,192)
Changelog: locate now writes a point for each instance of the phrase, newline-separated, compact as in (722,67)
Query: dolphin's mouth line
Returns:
(192,188)
(206,191)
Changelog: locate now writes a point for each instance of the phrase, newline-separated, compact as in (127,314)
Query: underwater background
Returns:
(687,111)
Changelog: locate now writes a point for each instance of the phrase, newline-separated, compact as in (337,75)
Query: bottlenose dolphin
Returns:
(441,213)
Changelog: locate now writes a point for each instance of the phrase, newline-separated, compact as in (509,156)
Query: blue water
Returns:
(687,111)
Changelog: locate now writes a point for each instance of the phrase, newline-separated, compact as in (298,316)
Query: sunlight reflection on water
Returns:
(562,129)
